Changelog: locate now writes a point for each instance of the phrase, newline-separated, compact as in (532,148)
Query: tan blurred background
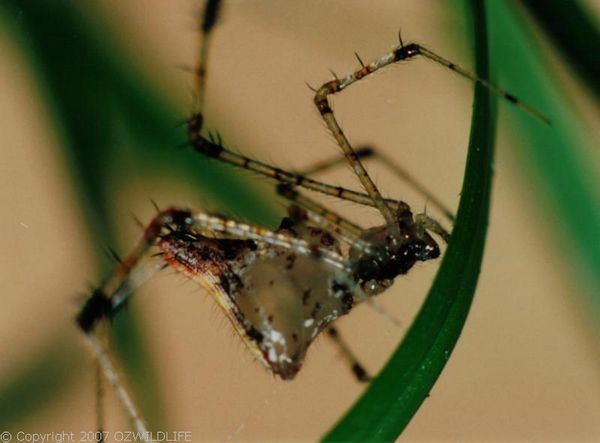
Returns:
(527,365)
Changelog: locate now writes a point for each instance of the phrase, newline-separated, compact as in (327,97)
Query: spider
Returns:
(280,288)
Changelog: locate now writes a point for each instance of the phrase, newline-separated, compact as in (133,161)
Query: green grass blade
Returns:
(395,395)
(574,32)
(559,159)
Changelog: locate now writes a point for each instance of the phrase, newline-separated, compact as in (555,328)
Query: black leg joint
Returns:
(96,308)
(360,373)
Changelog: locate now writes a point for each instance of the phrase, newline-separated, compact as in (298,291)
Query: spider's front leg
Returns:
(105,301)
(430,224)
(137,268)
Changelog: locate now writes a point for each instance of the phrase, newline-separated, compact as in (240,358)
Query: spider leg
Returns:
(209,20)
(412,181)
(363,152)
(431,224)
(288,180)
(349,231)
(218,152)
(103,363)
(404,175)
(108,370)
(402,52)
(368,152)
(105,301)
(323,217)
(322,103)
(277,239)
(99,399)
(357,369)
(420,50)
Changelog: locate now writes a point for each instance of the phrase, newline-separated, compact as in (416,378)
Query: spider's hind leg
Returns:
(403,174)
(357,369)
(105,301)
(210,18)
(368,152)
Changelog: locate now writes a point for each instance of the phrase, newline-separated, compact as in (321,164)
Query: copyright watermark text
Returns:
(94,436)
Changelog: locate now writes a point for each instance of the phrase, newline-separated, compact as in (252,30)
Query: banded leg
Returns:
(401,53)
(98,375)
(409,179)
(368,152)
(217,151)
(357,369)
(431,224)
(420,50)
(104,303)
(245,231)
(343,226)
(209,20)
(108,370)
(324,218)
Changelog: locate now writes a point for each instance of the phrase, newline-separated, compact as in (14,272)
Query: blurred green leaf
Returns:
(575,34)
(394,396)
(558,158)
(87,80)
(35,383)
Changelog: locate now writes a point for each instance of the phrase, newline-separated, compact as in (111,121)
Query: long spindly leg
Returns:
(109,372)
(369,152)
(216,150)
(327,218)
(99,398)
(323,217)
(322,103)
(420,50)
(431,224)
(357,369)
(246,231)
(208,22)
(408,178)
(104,302)
(402,52)
(403,174)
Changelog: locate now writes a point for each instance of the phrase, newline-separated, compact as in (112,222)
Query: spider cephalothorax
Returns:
(393,250)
